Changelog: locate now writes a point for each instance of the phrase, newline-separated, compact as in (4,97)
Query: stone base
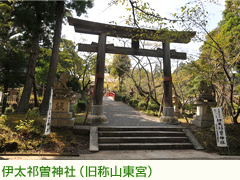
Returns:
(61,115)
(203,124)
(203,120)
(61,122)
(97,115)
(169,119)
(97,110)
(97,119)
(168,116)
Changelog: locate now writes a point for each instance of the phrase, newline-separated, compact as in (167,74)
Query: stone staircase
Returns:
(141,138)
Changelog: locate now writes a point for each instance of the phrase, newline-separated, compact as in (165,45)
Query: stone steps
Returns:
(140,128)
(142,139)
(144,146)
(139,133)
(139,138)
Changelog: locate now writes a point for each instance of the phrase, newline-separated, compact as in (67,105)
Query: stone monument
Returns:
(61,105)
(205,102)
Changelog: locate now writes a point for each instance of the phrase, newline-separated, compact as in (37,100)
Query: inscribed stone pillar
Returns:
(168,110)
(62,96)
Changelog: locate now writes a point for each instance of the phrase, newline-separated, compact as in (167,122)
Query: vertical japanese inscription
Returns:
(219,127)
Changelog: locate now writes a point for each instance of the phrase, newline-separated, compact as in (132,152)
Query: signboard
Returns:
(49,114)
(1,96)
(219,127)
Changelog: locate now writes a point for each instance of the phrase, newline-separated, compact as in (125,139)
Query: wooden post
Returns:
(98,95)
(167,84)
(135,44)
(168,110)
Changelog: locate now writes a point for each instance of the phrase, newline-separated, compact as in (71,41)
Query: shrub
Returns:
(9,110)
(142,105)
(3,117)
(81,106)
(151,112)
(124,98)
(32,113)
(153,107)
(130,102)
(133,102)
(26,127)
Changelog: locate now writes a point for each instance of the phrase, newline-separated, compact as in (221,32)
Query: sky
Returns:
(103,13)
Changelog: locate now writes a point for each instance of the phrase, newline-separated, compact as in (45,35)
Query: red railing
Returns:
(110,94)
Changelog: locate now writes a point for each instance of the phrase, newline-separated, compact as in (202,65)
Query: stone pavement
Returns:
(120,114)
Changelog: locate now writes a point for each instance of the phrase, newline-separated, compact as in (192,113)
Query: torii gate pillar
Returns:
(97,114)
(168,110)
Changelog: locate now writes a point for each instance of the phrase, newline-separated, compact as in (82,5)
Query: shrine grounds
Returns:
(21,139)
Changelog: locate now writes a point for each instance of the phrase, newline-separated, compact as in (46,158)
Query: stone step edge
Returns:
(141,132)
(109,140)
(152,137)
(139,128)
(145,146)
(193,140)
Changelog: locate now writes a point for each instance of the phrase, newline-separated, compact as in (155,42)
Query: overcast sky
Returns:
(102,13)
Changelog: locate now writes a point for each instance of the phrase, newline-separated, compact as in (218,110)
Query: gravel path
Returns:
(120,114)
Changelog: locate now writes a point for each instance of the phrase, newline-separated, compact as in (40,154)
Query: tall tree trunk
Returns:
(235,117)
(35,93)
(4,104)
(54,59)
(24,102)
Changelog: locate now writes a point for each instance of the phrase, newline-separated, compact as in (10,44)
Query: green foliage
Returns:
(74,83)
(81,106)
(121,64)
(9,110)
(133,102)
(153,107)
(212,128)
(124,99)
(151,112)
(130,102)
(32,114)
(142,105)
(42,67)
(4,118)
(80,7)
(13,62)
(25,127)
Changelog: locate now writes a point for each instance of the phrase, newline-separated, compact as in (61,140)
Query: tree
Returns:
(54,58)
(80,7)
(13,64)
(194,17)
(121,65)
(222,49)
(13,59)
(32,27)
(145,79)
(42,67)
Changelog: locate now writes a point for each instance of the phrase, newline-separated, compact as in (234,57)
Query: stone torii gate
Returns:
(104,30)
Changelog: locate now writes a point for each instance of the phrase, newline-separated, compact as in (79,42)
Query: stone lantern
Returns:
(205,102)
